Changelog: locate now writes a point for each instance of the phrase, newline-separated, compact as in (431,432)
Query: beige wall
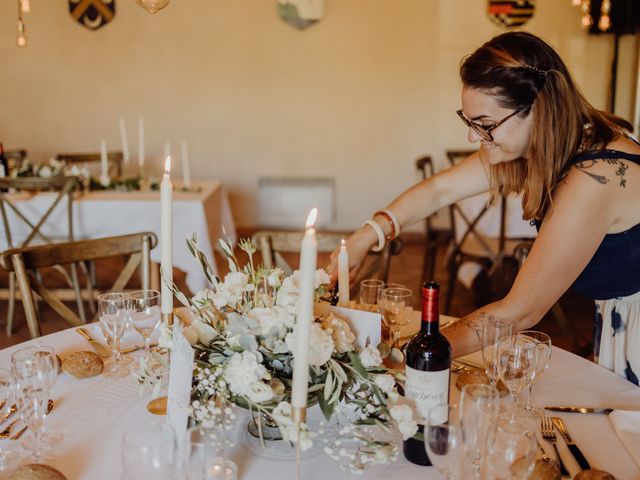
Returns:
(357,96)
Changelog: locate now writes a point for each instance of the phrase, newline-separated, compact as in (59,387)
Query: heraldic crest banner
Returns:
(92,14)
(510,13)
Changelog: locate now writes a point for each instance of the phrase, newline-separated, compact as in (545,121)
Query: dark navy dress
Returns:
(612,279)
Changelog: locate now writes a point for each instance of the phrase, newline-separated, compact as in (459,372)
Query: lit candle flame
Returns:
(167,165)
(343,243)
(311,219)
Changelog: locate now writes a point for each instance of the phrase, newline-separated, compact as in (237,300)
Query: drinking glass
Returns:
(396,304)
(112,309)
(517,365)
(492,330)
(207,456)
(144,313)
(543,358)
(478,418)
(31,377)
(443,441)
(7,397)
(370,291)
(513,455)
(149,451)
(47,354)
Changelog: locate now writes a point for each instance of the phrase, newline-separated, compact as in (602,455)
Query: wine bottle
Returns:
(428,368)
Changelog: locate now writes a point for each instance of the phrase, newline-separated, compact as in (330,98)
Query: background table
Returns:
(93,414)
(204,211)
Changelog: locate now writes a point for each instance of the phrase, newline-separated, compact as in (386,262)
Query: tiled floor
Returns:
(405,269)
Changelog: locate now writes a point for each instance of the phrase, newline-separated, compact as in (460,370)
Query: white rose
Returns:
(320,345)
(268,319)
(370,357)
(260,392)
(341,333)
(385,382)
(243,371)
(403,415)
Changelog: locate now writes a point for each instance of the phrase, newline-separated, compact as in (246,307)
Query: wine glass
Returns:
(543,359)
(513,455)
(47,354)
(144,313)
(492,330)
(517,365)
(7,396)
(112,311)
(478,417)
(207,456)
(396,304)
(149,451)
(443,440)
(370,290)
(31,377)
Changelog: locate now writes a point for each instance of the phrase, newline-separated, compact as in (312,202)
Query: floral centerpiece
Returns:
(243,332)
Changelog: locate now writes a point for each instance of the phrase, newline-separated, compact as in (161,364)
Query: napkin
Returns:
(626,424)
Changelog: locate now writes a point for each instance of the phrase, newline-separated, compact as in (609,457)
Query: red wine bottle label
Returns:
(425,390)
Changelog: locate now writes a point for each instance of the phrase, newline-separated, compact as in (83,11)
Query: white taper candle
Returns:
(124,140)
(343,275)
(166,238)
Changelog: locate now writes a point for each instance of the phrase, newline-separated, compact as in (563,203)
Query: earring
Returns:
(604,23)
(586,19)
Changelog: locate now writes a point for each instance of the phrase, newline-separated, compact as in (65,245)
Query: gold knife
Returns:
(97,346)
(605,411)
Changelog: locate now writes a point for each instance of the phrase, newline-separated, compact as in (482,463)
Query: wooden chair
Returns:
(520,253)
(25,262)
(114,159)
(434,237)
(64,187)
(468,244)
(273,244)
(15,157)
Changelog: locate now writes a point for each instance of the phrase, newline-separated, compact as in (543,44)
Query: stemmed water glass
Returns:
(492,330)
(443,440)
(396,304)
(517,365)
(543,359)
(144,313)
(207,455)
(50,438)
(149,451)
(478,418)
(31,373)
(513,454)
(370,291)
(112,313)
(7,397)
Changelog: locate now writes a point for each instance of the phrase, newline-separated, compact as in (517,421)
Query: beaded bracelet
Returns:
(378,229)
(393,221)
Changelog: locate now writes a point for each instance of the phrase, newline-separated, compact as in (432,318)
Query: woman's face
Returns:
(510,139)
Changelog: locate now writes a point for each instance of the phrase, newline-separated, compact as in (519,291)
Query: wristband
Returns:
(378,229)
(393,221)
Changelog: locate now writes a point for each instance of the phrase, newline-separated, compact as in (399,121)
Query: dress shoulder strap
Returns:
(605,154)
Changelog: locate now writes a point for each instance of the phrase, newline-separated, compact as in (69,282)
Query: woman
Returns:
(579,173)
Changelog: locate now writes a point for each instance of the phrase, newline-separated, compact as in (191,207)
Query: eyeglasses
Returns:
(485,130)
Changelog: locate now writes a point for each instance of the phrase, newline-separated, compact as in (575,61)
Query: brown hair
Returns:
(523,71)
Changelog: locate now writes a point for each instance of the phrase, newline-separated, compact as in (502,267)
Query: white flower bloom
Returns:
(276,319)
(45,172)
(370,357)
(322,278)
(341,333)
(281,414)
(403,415)
(320,345)
(243,371)
(206,333)
(275,277)
(203,297)
(385,382)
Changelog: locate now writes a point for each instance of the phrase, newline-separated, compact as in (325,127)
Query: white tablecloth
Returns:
(93,414)
(108,213)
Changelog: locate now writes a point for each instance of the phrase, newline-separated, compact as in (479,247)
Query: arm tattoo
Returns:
(621,170)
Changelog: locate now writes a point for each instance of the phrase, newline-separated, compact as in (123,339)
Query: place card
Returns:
(179,393)
(367,326)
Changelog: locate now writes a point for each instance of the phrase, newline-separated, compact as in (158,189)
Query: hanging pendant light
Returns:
(153,6)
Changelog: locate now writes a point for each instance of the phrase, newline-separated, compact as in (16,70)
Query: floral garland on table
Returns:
(243,333)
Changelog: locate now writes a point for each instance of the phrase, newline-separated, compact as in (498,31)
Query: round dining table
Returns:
(94,413)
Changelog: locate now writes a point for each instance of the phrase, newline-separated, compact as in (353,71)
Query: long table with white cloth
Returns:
(93,414)
(203,209)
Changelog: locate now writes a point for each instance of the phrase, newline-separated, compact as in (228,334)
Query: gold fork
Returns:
(7,431)
(549,434)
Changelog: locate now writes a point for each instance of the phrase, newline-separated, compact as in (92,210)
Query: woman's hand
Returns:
(358,245)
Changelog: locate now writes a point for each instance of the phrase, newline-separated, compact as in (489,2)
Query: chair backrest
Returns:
(114,160)
(273,243)
(63,186)
(465,226)
(26,262)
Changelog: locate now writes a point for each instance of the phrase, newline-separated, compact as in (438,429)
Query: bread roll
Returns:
(83,364)
(36,471)
(476,375)
(594,474)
